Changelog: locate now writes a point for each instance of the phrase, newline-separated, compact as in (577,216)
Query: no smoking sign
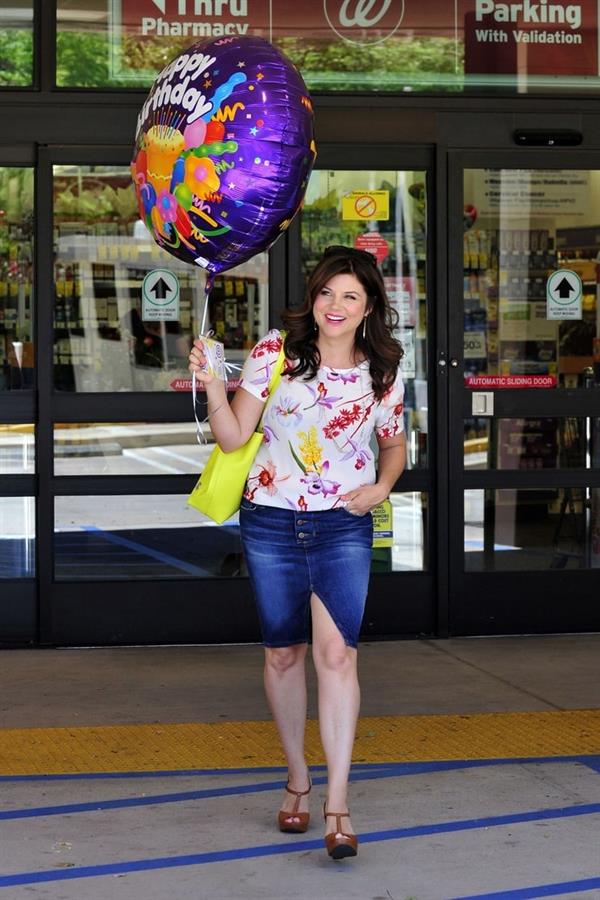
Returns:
(366,205)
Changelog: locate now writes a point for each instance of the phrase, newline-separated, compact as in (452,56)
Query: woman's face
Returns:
(340,306)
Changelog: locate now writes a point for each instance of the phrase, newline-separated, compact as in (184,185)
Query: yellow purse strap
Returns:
(274,379)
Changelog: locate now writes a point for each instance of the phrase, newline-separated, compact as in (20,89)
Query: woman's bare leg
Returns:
(339,702)
(285,687)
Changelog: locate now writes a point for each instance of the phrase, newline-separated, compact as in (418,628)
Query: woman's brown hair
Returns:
(379,346)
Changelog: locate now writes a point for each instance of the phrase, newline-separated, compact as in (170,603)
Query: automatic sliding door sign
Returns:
(564,290)
(160,296)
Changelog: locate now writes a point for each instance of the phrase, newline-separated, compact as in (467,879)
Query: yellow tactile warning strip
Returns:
(165,747)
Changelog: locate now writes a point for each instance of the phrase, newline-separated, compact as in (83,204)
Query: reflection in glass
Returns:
(16,278)
(105,337)
(17,537)
(408,553)
(135,536)
(531,443)
(398,239)
(16,43)
(140,448)
(518,529)
(139,536)
(17,449)
(521,328)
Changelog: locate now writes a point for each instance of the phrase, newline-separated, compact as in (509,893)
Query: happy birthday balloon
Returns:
(224,149)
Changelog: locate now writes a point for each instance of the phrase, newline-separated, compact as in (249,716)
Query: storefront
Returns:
(455,145)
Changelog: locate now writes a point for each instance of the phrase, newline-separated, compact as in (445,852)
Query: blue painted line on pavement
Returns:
(197,859)
(157,799)
(159,773)
(540,890)
(129,802)
(210,793)
(146,551)
(398,768)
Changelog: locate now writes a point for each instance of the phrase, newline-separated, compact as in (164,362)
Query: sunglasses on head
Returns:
(350,253)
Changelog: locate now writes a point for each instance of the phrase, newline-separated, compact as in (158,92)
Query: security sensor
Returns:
(560,137)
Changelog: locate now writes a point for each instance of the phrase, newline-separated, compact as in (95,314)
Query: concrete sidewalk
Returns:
(476,824)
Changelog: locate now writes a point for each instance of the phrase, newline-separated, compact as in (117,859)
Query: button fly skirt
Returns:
(291,555)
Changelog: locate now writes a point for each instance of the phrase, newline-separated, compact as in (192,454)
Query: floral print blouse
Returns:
(317,433)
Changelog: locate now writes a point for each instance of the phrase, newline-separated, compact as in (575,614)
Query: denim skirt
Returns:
(291,555)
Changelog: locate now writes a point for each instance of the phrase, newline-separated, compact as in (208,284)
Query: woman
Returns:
(305,519)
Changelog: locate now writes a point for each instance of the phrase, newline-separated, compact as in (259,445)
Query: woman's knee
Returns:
(281,659)
(334,655)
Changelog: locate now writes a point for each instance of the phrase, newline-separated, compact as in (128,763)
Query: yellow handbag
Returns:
(218,491)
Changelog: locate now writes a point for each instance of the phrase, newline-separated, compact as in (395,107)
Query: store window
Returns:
(364,47)
(409,530)
(522,529)
(16,43)
(17,449)
(540,442)
(126,311)
(16,278)
(383,212)
(531,273)
(134,536)
(129,448)
(17,537)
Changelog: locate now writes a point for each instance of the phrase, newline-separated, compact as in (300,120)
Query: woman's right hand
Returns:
(198,362)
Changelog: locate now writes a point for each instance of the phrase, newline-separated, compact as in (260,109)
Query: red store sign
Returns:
(510,381)
(530,38)
(185,384)
(349,22)
(374,243)
(354,21)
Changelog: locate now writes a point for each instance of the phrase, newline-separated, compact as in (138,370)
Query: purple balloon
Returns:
(241,187)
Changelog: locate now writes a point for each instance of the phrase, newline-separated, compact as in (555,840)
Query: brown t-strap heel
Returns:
(294,822)
(338,844)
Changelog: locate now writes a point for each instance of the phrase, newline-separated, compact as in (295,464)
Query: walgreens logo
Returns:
(364,21)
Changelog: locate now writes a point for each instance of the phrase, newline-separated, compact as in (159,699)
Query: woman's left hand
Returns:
(362,500)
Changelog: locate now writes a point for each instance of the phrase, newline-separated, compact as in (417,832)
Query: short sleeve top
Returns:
(317,433)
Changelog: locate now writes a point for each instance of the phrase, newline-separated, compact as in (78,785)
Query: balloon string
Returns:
(229,367)
(200,436)
(207,289)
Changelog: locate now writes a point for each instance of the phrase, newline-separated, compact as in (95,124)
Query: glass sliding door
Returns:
(16,279)
(108,335)
(384,210)
(524,382)
(18,527)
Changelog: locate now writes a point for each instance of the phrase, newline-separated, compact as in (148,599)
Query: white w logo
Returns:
(352,19)
(361,19)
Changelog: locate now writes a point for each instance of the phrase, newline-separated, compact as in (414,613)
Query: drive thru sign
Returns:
(182,20)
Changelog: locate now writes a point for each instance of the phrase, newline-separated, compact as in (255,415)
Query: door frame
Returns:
(143,611)
(402,604)
(516,602)
(117,612)
(19,595)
